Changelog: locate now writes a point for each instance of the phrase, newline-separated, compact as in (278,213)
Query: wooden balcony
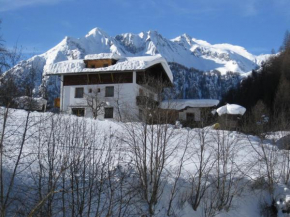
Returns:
(145,101)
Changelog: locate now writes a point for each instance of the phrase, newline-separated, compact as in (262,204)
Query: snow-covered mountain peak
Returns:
(187,39)
(184,40)
(184,49)
(141,34)
(97,32)
(185,35)
(235,49)
(181,52)
(153,33)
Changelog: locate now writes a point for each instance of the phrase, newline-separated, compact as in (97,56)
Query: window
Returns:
(90,90)
(79,92)
(109,91)
(109,112)
(99,90)
(190,117)
(105,65)
(93,66)
(78,112)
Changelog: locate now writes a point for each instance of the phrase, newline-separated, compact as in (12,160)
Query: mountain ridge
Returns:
(183,50)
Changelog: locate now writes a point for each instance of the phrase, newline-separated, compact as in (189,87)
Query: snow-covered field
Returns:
(62,165)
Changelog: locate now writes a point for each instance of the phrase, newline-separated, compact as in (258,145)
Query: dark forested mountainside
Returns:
(190,83)
(269,85)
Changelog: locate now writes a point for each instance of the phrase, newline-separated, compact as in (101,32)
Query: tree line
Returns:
(267,87)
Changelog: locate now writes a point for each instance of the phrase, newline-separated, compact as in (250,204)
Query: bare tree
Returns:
(119,105)
(151,145)
(9,90)
(203,160)
(95,102)
(227,177)
(8,57)
(176,175)
(272,160)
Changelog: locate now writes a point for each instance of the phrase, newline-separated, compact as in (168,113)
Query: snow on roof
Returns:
(102,56)
(65,67)
(231,109)
(124,64)
(179,104)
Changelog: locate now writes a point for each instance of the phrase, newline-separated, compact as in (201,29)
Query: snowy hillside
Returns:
(94,168)
(183,50)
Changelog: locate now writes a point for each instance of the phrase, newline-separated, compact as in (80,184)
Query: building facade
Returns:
(191,110)
(109,86)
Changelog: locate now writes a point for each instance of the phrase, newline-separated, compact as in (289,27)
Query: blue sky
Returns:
(37,25)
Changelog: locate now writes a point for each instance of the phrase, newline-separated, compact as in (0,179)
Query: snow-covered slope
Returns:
(103,168)
(184,50)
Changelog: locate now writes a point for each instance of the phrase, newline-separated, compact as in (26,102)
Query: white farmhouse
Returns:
(107,85)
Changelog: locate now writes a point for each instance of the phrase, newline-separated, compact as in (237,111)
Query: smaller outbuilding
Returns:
(230,115)
(191,110)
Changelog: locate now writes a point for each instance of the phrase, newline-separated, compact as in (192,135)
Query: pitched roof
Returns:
(123,64)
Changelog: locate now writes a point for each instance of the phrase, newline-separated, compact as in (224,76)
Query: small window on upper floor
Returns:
(90,90)
(109,91)
(93,66)
(99,90)
(105,65)
(79,92)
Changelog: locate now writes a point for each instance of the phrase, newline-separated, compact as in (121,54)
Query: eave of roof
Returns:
(180,104)
(72,67)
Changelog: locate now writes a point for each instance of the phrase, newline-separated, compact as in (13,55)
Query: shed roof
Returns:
(179,104)
(231,109)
